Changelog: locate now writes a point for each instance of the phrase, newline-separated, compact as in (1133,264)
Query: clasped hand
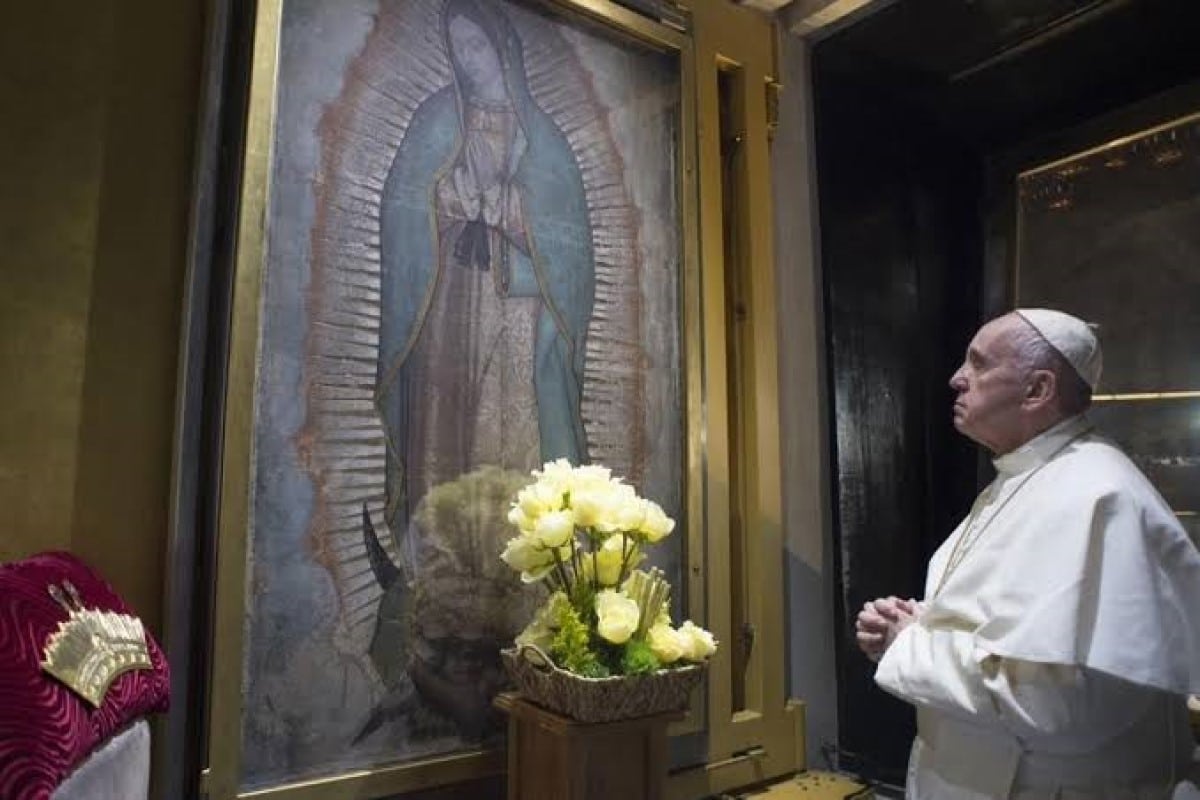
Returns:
(880,622)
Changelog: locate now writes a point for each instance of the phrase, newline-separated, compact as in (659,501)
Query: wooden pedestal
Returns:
(551,757)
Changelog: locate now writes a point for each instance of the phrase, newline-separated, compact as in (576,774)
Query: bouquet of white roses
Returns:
(583,533)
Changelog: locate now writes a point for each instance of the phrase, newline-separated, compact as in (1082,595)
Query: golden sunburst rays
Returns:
(401,64)
(613,383)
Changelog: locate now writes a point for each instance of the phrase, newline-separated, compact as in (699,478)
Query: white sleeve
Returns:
(1077,708)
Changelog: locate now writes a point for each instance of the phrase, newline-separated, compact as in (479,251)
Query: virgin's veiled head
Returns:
(482,46)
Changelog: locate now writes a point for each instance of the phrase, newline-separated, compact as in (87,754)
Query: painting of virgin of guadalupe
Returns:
(488,285)
(488,276)
(473,267)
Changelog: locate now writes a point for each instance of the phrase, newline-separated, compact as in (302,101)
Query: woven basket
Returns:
(599,699)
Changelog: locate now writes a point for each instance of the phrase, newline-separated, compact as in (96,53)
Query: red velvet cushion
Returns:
(46,730)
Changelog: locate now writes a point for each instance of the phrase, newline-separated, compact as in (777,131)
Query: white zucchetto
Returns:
(1071,337)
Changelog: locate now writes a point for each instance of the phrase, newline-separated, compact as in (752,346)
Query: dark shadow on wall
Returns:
(901,266)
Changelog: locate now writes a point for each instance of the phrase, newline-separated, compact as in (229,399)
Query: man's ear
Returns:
(1042,388)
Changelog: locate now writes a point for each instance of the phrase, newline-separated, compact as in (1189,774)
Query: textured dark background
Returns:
(925,113)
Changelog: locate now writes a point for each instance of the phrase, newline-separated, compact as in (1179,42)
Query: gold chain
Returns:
(967,541)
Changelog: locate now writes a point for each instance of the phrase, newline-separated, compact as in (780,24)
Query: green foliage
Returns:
(638,658)
(583,598)
(576,647)
(571,648)
(594,669)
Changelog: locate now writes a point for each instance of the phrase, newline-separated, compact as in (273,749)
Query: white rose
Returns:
(539,498)
(656,524)
(619,508)
(631,513)
(616,616)
(665,642)
(517,516)
(525,555)
(559,475)
(554,528)
(698,644)
(591,476)
(535,575)
(588,505)
(611,556)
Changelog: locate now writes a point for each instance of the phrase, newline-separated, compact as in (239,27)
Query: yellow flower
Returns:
(588,504)
(554,528)
(517,516)
(665,642)
(609,558)
(591,476)
(618,525)
(656,524)
(525,555)
(616,615)
(539,498)
(698,644)
(631,512)
(535,575)
(558,475)
(622,510)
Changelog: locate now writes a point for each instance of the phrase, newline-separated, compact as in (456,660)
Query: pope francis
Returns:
(1060,630)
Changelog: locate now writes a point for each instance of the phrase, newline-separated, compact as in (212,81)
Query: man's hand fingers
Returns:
(871,621)
(887,609)
(871,644)
(910,606)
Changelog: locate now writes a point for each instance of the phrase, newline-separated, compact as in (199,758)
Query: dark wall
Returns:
(902,265)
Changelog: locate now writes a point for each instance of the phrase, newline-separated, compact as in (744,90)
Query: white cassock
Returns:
(1060,635)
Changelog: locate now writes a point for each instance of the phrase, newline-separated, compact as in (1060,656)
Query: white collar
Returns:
(1041,448)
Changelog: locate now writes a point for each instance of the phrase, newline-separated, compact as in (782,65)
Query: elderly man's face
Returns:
(990,387)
